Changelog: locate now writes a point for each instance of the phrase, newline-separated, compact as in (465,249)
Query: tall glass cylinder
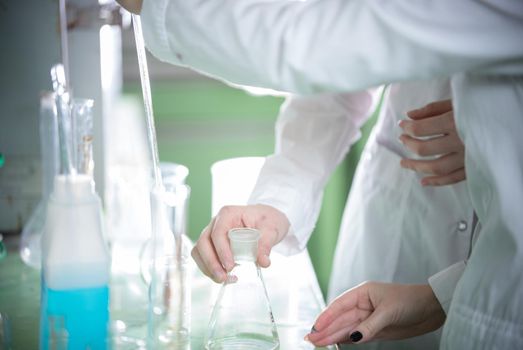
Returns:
(168,271)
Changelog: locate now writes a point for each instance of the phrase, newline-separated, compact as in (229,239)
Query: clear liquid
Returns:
(74,319)
(243,341)
(242,317)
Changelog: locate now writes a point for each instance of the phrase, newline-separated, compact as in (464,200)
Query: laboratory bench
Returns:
(291,283)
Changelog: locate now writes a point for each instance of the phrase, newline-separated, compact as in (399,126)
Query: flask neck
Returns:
(251,261)
(244,244)
(244,272)
(73,188)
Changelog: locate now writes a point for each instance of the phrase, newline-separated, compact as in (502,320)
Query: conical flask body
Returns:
(242,316)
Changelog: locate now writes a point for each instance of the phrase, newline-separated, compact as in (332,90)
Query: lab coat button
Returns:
(462,225)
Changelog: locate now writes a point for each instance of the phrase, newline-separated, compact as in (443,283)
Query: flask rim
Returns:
(244,234)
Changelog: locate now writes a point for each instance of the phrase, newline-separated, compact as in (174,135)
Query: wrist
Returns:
(433,308)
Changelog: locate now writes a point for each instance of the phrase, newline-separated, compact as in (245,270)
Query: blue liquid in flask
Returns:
(74,319)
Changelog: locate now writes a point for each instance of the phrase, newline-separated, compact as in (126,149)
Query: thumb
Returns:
(368,329)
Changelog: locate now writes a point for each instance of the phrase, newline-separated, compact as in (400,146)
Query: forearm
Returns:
(313,134)
(329,45)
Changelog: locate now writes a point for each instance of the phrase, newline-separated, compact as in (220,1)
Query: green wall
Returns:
(200,122)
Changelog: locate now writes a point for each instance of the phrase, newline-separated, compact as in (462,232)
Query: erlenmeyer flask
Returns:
(30,249)
(81,143)
(242,316)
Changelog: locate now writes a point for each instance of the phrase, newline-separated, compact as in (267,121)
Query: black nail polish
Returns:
(356,337)
(313,329)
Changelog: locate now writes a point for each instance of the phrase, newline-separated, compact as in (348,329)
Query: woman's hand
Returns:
(435,121)
(212,251)
(375,310)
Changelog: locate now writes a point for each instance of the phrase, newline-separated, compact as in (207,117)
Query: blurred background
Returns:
(199,120)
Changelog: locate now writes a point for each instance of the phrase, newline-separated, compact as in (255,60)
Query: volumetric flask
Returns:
(242,316)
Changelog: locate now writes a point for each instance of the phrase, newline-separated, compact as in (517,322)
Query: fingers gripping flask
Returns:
(242,316)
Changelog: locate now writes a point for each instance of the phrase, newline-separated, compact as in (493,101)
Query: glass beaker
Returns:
(30,249)
(242,316)
(233,180)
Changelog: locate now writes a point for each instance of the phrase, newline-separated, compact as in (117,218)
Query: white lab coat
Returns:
(393,229)
(349,45)
(487,306)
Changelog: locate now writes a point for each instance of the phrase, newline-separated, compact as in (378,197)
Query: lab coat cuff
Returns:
(295,241)
(290,245)
(444,283)
(154,19)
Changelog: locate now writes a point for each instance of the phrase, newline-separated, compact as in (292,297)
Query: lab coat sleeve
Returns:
(444,282)
(334,45)
(313,134)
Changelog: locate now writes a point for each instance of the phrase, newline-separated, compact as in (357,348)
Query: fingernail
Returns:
(231,278)
(401,123)
(412,111)
(356,337)
(306,338)
(401,139)
(313,329)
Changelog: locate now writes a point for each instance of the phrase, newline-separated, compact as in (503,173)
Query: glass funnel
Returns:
(242,316)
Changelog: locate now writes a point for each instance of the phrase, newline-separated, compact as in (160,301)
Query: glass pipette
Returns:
(147,99)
